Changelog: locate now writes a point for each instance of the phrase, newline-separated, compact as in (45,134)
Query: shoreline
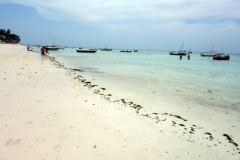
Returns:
(52,105)
(197,113)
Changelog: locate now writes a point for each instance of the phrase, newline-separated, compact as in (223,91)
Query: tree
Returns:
(7,36)
(15,38)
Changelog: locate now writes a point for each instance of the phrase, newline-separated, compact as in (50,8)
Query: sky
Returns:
(126,24)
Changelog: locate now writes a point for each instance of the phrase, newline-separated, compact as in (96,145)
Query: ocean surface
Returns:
(151,78)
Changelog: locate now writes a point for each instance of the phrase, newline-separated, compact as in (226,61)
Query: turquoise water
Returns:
(156,76)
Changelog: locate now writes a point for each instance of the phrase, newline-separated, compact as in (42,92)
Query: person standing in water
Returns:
(180,57)
(188,56)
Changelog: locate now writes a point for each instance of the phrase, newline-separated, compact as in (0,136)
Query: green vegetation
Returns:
(6,36)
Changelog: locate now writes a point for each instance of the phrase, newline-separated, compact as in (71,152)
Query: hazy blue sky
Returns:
(126,24)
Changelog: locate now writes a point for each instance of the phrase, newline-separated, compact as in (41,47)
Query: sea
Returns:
(155,79)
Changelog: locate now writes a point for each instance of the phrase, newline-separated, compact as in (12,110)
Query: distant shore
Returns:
(48,111)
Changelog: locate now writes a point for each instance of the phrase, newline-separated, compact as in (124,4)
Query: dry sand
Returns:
(46,113)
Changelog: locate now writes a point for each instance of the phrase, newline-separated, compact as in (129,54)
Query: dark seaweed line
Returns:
(133,105)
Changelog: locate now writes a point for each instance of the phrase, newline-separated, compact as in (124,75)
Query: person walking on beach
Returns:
(42,52)
(27,47)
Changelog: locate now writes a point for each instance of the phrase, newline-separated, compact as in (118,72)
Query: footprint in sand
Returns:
(57,146)
(29,122)
(12,142)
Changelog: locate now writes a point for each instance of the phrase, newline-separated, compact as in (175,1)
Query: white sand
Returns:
(46,114)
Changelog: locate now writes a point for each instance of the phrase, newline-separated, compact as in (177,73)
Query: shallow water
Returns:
(156,76)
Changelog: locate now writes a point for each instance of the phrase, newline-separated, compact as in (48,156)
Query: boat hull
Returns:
(183,54)
(86,51)
(104,49)
(125,51)
(207,55)
(221,57)
(53,49)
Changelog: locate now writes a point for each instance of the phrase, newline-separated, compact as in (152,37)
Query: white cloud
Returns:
(150,17)
(121,11)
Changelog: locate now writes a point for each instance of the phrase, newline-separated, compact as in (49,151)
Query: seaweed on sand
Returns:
(180,117)
(123,101)
(230,140)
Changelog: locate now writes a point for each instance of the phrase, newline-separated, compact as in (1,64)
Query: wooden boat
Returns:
(80,46)
(190,51)
(125,51)
(210,53)
(180,52)
(105,49)
(221,57)
(52,48)
(183,53)
(135,50)
(206,54)
(87,51)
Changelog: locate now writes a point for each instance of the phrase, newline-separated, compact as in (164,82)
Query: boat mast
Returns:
(181,47)
(54,42)
(211,49)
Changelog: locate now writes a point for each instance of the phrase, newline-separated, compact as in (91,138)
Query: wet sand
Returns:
(49,112)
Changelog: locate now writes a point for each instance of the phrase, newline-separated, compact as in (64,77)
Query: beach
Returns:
(48,111)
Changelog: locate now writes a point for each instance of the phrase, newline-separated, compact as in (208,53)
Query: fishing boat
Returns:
(207,54)
(190,51)
(135,50)
(80,46)
(210,53)
(105,49)
(221,57)
(53,47)
(180,52)
(86,51)
(125,51)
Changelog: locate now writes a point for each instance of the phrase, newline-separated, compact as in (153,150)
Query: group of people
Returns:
(188,56)
(43,50)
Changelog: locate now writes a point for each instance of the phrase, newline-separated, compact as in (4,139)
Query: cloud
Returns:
(129,11)
(169,18)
